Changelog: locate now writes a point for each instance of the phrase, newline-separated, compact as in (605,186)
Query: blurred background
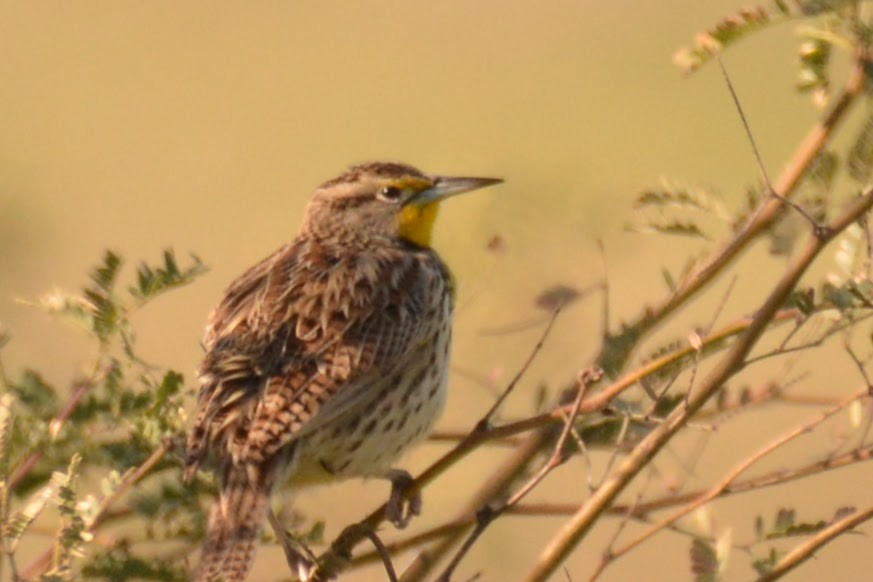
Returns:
(204,126)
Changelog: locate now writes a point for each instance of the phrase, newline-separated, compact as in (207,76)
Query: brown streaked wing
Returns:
(241,297)
(383,324)
(232,372)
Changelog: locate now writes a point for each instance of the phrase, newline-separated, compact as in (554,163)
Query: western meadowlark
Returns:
(328,358)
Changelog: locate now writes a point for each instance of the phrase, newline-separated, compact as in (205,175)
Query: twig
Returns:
(383,554)
(487,514)
(456,436)
(580,524)
(807,549)
(751,138)
(639,509)
(131,478)
(776,477)
(607,555)
(786,183)
(486,419)
(737,470)
(80,389)
(544,425)
(336,557)
(617,349)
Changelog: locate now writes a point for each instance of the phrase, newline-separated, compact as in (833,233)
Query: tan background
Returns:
(204,126)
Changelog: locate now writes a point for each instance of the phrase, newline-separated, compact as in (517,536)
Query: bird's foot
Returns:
(301,565)
(401,507)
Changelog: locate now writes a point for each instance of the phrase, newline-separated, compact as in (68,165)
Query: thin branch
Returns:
(336,557)
(580,524)
(815,140)
(808,548)
(487,514)
(786,184)
(638,510)
(456,436)
(39,565)
(751,138)
(736,471)
(80,389)
(382,551)
(776,477)
(333,560)
(486,419)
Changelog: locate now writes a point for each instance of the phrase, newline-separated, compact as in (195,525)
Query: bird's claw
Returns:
(401,507)
(299,564)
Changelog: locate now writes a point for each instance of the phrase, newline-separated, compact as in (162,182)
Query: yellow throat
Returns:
(415,223)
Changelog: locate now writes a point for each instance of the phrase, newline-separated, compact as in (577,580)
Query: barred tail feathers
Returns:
(235,521)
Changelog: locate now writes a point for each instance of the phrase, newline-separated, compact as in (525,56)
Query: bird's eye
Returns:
(390,193)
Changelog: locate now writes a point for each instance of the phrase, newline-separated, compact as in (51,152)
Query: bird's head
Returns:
(383,200)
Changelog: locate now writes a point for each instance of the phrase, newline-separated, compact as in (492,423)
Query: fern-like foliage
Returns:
(825,26)
(152,281)
(677,209)
(47,438)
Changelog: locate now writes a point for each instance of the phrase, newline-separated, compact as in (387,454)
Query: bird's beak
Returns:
(445,186)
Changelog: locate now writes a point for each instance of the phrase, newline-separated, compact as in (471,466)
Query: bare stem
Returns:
(733,361)
(807,549)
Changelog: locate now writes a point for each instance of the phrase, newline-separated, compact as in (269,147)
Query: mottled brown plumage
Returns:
(328,358)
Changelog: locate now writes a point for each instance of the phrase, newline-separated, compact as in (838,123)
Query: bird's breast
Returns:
(399,410)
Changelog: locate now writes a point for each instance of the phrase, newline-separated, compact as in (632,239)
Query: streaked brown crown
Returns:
(364,201)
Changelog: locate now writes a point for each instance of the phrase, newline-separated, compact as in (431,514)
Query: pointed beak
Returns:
(445,186)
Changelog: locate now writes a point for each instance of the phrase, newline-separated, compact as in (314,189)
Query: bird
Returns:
(327,359)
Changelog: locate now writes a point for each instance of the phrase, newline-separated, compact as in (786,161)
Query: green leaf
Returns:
(840,297)
(120,564)
(680,196)
(37,395)
(803,300)
(20,520)
(104,275)
(556,297)
(152,281)
(68,544)
(5,430)
(672,227)
(725,33)
(764,565)
(860,159)
(813,76)
(786,524)
(784,519)
(704,562)
(816,7)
